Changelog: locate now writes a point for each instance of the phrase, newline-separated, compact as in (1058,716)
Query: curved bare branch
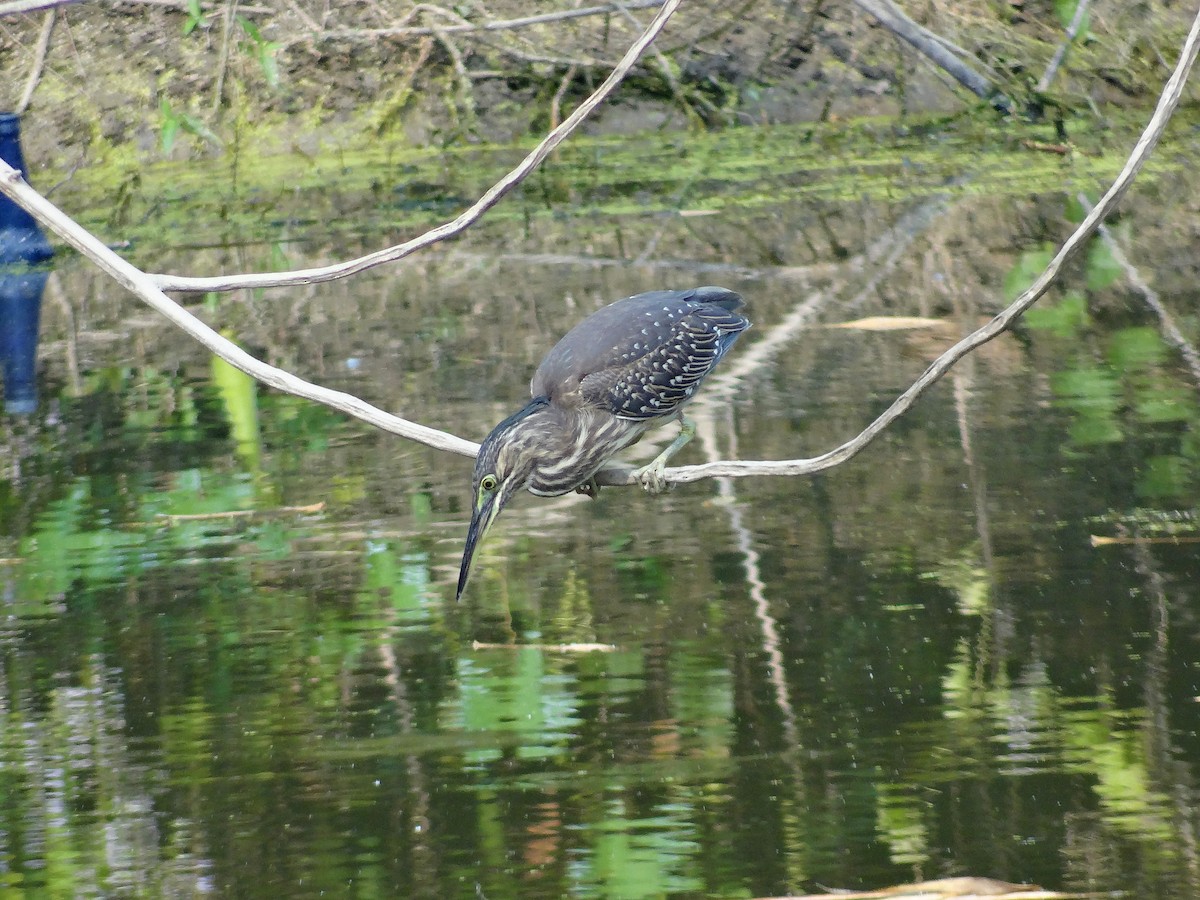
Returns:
(12,185)
(150,288)
(464,220)
(1167,102)
(135,280)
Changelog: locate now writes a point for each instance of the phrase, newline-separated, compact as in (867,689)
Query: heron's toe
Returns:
(651,478)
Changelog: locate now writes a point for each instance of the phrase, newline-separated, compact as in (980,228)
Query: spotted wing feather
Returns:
(642,357)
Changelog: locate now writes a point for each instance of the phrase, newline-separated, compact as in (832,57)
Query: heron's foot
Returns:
(589,488)
(651,476)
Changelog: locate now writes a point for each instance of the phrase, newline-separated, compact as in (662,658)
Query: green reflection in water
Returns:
(203,692)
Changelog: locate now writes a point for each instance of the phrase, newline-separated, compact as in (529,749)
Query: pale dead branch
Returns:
(464,220)
(138,282)
(1167,102)
(21,7)
(498,25)
(149,287)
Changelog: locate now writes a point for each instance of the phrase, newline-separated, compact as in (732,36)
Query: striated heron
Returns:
(613,376)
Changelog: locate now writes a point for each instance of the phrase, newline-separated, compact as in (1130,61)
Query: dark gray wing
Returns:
(644,356)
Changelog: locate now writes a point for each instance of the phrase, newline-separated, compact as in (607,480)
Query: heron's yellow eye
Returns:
(488,483)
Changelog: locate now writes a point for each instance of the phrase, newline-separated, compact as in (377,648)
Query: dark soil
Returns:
(285,76)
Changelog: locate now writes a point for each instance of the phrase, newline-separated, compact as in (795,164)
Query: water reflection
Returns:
(229,663)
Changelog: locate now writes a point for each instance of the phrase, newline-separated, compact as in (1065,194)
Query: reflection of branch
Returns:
(1166,321)
(54,293)
(465,219)
(771,640)
(963,382)
(751,564)
(417,808)
(882,256)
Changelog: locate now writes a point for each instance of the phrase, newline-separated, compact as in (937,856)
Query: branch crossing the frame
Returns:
(150,288)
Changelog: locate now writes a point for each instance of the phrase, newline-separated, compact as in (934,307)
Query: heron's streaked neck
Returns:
(567,446)
(537,433)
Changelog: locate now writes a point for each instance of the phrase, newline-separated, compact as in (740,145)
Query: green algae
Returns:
(384,191)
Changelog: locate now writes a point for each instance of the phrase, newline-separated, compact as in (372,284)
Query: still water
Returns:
(230,659)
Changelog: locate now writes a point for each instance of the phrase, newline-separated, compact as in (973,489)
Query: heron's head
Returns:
(503,467)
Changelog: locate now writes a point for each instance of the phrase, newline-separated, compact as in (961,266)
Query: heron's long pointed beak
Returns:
(481,521)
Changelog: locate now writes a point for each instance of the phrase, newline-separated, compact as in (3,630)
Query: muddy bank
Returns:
(139,81)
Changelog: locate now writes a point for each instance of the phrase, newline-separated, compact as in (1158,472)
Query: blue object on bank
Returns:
(23,250)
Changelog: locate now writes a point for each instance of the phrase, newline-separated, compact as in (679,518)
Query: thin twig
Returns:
(460,73)
(664,65)
(39,61)
(464,220)
(223,64)
(499,25)
(1061,53)
(20,7)
(556,100)
(304,17)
